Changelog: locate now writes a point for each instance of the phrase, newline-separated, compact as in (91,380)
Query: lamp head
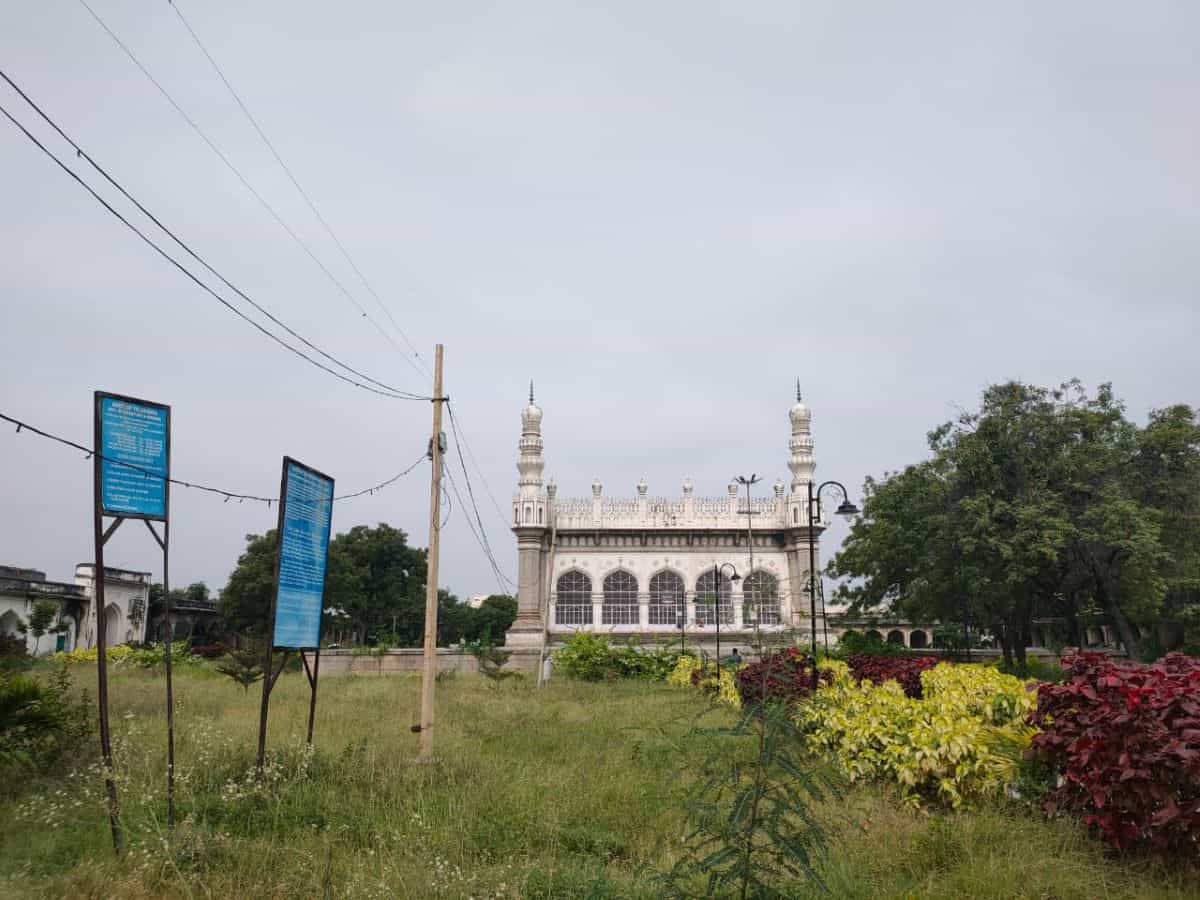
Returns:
(847,510)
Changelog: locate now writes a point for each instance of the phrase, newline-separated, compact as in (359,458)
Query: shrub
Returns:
(587,657)
(784,677)
(14,655)
(590,657)
(118,654)
(904,670)
(1125,739)
(953,747)
(870,643)
(721,686)
(39,721)
(151,656)
(681,674)
(209,651)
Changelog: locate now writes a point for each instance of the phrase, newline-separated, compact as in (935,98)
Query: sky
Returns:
(661,213)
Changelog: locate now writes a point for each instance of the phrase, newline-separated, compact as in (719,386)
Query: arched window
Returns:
(706,594)
(620,599)
(573,600)
(761,593)
(917,640)
(896,637)
(666,599)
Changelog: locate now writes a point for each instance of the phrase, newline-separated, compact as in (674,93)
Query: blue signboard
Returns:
(135,446)
(304,520)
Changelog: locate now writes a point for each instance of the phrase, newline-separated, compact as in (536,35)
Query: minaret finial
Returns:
(531,389)
(797,390)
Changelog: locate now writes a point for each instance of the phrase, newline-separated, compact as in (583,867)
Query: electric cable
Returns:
(228,495)
(291,177)
(190,275)
(81,153)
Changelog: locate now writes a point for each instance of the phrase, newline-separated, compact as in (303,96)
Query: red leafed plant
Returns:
(1125,739)
(785,676)
(906,670)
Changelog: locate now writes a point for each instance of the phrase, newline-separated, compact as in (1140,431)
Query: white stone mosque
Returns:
(651,567)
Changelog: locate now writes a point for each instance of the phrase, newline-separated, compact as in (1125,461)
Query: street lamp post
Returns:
(743,480)
(847,510)
(717,570)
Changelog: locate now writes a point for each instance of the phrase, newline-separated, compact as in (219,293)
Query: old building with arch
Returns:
(655,567)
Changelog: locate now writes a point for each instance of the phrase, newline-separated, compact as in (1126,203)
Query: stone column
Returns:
(527,631)
(597,610)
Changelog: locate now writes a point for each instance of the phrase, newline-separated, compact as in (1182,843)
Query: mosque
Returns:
(657,569)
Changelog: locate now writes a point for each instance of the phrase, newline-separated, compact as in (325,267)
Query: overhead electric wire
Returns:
(462,431)
(191,276)
(481,538)
(81,153)
(467,477)
(291,177)
(228,495)
(245,182)
(501,578)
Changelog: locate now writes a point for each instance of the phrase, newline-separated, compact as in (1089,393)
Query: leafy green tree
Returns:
(378,581)
(245,603)
(1044,502)
(41,620)
(244,665)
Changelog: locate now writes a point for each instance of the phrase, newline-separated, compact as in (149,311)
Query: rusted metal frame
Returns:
(101,535)
(268,679)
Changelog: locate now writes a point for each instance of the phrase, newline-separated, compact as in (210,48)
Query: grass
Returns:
(572,792)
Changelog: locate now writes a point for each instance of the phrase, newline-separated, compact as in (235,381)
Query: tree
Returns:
(377,580)
(1044,502)
(244,665)
(245,603)
(374,579)
(41,618)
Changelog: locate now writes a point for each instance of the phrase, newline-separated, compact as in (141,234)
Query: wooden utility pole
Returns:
(429,677)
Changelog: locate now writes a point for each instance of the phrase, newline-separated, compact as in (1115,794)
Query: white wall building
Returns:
(643,565)
(21,589)
(126,598)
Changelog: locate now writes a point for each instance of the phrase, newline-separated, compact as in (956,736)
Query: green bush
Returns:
(14,655)
(39,721)
(870,644)
(590,657)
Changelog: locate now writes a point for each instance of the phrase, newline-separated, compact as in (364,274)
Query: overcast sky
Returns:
(663,213)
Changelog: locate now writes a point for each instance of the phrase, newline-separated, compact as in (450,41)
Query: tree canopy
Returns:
(375,589)
(1044,502)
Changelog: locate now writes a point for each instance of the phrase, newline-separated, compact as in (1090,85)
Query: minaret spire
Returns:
(798,397)
(531,389)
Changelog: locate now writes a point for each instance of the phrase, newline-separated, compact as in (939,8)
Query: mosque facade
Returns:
(660,568)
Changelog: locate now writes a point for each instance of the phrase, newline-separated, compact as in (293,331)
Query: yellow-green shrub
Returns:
(117,654)
(681,675)
(942,748)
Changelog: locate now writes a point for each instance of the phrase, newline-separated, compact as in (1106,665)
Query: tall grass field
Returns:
(572,791)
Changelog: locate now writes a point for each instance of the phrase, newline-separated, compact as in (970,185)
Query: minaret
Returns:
(799,533)
(530,524)
(801,462)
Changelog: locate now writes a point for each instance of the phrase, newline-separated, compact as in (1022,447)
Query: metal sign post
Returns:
(301,571)
(131,454)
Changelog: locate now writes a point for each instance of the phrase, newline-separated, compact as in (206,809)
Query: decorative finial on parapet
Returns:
(531,390)
(642,487)
(778,487)
(551,488)
(687,487)
(596,488)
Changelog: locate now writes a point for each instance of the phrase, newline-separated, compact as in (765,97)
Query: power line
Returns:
(479,470)
(480,537)
(190,275)
(228,495)
(291,177)
(501,578)
(245,182)
(80,152)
